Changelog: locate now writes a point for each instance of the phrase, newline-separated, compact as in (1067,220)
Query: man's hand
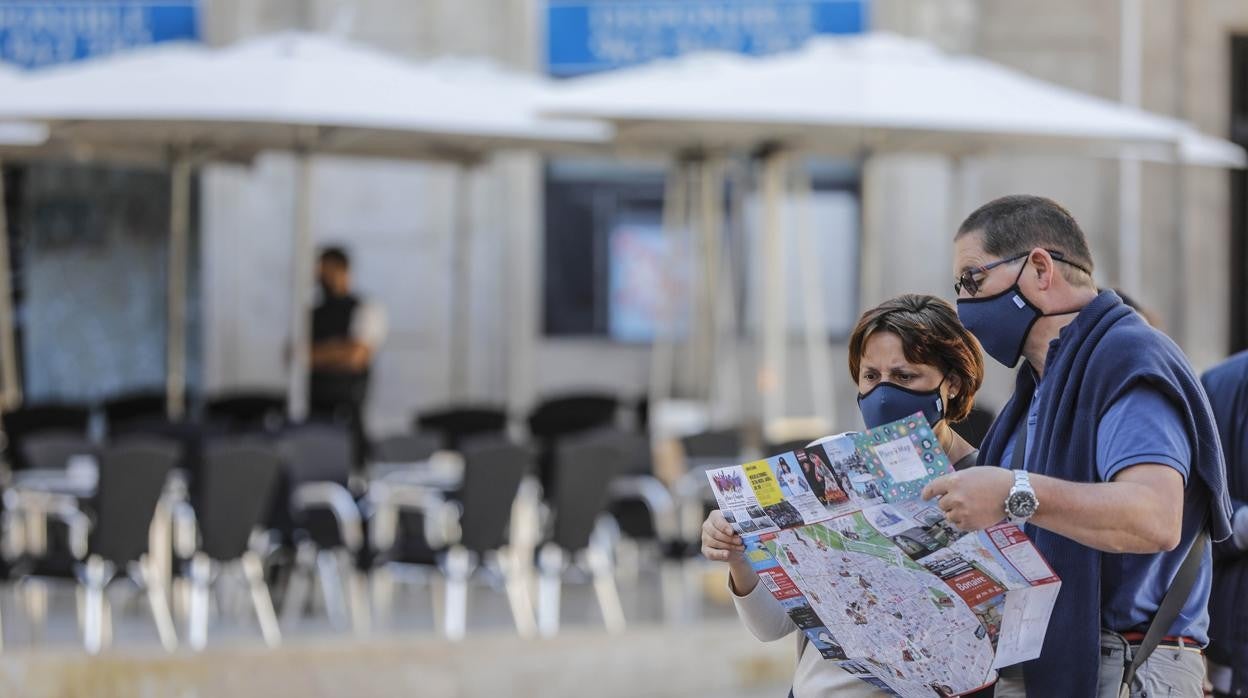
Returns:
(972,499)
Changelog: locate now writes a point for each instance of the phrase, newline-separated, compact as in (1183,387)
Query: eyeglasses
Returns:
(969,281)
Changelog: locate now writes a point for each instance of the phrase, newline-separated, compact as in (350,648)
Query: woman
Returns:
(907,355)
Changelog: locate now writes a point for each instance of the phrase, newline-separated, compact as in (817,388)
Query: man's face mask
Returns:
(1002,321)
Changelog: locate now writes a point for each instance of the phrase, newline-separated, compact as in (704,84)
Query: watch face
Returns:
(1021,505)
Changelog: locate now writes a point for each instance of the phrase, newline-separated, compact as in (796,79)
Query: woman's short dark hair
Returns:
(931,335)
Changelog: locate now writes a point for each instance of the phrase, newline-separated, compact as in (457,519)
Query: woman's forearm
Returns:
(742,576)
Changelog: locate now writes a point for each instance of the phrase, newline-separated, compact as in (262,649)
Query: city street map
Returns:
(876,577)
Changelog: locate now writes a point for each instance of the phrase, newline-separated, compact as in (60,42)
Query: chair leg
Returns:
(331,587)
(550,583)
(201,578)
(34,594)
(357,593)
(154,584)
(437,601)
(605,589)
(458,569)
(253,570)
(181,600)
(297,584)
(674,591)
(1,624)
(96,578)
(382,583)
(517,593)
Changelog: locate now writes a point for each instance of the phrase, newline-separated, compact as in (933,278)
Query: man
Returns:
(1227,385)
(1118,467)
(346,332)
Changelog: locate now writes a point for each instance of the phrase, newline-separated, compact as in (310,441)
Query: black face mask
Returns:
(1003,321)
(889,402)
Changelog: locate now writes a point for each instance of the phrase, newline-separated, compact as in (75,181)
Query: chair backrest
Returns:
(571,414)
(454,424)
(256,411)
(32,419)
(637,459)
(492,475)
(405,448)
(718,443)
(53,449)
(584,468)
(125,410)
(132,477)
(316,453)
(236,489)
(189,436)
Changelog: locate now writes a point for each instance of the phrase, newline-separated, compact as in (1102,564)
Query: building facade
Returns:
(397,218)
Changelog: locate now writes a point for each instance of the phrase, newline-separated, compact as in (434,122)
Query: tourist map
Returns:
(875,576)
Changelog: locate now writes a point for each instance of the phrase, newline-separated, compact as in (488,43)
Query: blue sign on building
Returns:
(584,36)
(34,33)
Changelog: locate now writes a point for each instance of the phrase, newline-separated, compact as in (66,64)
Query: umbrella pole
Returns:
(1130,176)
(10,384)
(179,232)
(710,221)
(663,349)
(461,302)
(775,331)
(818,373)
(730,321)
(871,264)
(301,272)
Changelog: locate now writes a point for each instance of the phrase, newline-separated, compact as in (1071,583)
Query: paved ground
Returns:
(705,651)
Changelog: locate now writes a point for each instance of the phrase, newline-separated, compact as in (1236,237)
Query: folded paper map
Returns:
(875,576)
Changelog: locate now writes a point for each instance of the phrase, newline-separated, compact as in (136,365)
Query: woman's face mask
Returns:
(889,402)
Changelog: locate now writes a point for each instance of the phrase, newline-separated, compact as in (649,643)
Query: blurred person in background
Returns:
(346,333)
(1227,386)
(907,355)
(1150,316)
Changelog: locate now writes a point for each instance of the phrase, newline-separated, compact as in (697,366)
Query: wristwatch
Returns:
(1021,503)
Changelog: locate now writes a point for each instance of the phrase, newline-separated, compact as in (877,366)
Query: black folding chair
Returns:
(712,448)
(247,412)
(456,423)
(54,449)
(560,417)
(409,530)
(399,452)
(231,505)
(34,419)
(129,410)
(328,525)
(132,479)
(584,469)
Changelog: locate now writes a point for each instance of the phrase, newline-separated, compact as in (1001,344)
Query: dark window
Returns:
(608,268)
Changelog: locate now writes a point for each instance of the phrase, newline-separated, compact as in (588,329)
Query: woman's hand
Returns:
(719,542)
(722,544)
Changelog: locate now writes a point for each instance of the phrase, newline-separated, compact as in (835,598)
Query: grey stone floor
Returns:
(704,651)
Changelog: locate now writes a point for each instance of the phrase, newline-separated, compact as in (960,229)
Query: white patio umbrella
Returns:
(307,94)
(856,96)
(873,92)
